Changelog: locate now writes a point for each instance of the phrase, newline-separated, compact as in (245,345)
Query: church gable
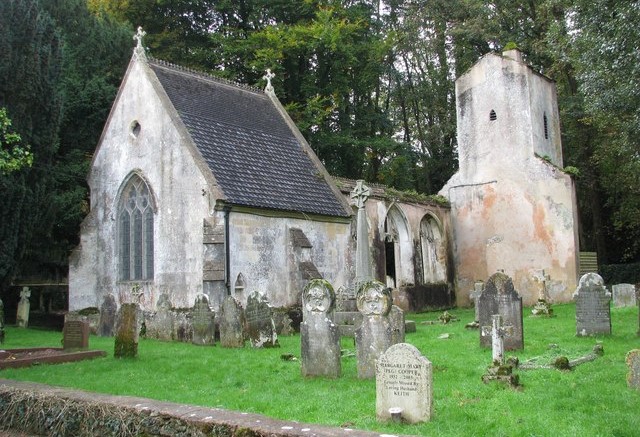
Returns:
(251,151)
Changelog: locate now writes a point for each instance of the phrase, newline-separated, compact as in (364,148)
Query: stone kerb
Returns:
(231,323)
(404,384)
(373,336)
(500,297)
(319,336)
(260,328)
(203,321)
(593,306)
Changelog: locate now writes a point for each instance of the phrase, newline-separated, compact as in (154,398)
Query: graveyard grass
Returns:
(592,399)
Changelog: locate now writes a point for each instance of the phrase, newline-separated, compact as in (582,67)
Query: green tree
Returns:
(13,155)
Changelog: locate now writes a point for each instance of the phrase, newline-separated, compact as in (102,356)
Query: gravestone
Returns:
(404,384)
(231,321)
(624,295)
(396,319)
(127,331)
(500,297)
(1,322)
(373,336)
(593,311)
(161,325)
(22,317)
(498,333)
(75,335)
(203,322)
(478,286)
(320,337)
(633,363)
(260,328)
(359,195)
(108,312)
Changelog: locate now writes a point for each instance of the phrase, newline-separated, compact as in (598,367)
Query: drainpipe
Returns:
(227,260)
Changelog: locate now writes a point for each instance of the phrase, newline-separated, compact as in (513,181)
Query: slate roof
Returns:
(250,149)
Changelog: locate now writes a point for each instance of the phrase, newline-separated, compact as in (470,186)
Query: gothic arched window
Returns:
(135,231)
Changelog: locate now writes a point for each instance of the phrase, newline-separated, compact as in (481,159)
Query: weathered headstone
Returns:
(593,309)
(404,384)
(126,338)
(260,328)
(478,286)
(161,324)
(396,320)
(320,337)
(500,297)
(498,332)
(231,321)
(1,322)
(108,312)
(624,295)
(359,195)
(203,322)
(22,317)
(373,336)
(633,362)
(75,335)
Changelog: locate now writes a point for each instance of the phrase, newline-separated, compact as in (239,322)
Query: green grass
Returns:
(591,400)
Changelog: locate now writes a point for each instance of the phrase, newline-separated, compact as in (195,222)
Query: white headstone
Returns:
(624,295)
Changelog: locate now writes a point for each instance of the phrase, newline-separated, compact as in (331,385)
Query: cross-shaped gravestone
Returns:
(138,37)
(137,292)
(498,332)
(25,294)
(268,76)
(360,194)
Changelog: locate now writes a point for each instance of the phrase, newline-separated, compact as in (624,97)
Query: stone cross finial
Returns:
(138,37)
(360,194)
(498,333)
(136,292)
(268,76)
(25,293)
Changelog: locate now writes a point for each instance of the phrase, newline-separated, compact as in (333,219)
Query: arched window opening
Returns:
(135,217)
(492,115)
(433,251)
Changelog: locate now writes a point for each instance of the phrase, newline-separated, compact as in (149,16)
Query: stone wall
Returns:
(38,409)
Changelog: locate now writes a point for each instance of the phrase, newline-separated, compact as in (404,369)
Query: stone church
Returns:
(203,186)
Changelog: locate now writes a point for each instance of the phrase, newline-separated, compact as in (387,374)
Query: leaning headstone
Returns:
(624,295)
(22,317)
(231,321)
(1,322)
(373,336)
(126,341)
(396,319)
(404,385)
(203,322)
(261,329)
(108,312)
(320,337)
(593,309)
(500,297)
(75,335)
(633,362)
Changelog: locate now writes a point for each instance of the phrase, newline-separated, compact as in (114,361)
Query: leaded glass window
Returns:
(135,233)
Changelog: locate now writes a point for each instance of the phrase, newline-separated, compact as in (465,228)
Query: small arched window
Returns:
(135,231)
(492,115)
(546,126)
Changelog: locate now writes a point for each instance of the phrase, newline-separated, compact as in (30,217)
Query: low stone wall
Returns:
(43,410)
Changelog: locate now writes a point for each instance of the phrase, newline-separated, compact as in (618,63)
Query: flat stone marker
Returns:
(373,336)
(500,297)
(22,317)
(260,328)
(404,384)
(108,312)
(398,329)
(231,321)
(593,311)
(75,335)
(203,322)
(319,336)
(624,295)
(126,341)
(633,362)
